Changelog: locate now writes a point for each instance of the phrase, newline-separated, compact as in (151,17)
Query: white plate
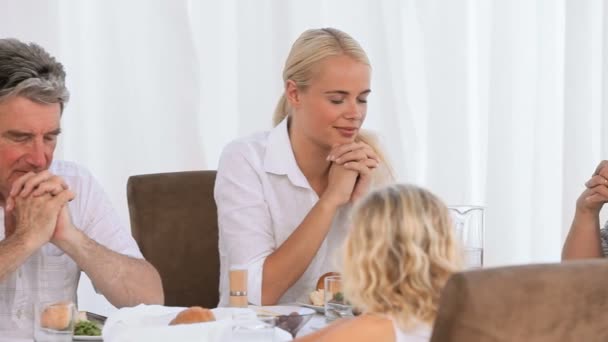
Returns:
(86,338)
(283,310)
(318,308)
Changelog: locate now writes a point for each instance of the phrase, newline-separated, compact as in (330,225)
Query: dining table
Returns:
(126,315)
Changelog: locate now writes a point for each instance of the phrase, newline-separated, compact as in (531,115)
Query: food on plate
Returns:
(195,314)
(57,316)
(338,297)
(81,316)
(289,322)
(87,328)
(317,297)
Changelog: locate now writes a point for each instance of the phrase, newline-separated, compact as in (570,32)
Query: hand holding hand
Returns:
(36,184)
(356,151)
(359,157)
(63,227)
(34,204)
(340,185)
(37,217)
(595,195)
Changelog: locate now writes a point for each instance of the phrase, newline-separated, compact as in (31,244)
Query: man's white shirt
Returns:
(49,274)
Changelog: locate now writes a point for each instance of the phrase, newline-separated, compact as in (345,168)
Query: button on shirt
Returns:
(262,196)
(49,274)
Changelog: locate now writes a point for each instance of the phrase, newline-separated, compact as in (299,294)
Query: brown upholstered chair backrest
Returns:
(174,221)
(532,303)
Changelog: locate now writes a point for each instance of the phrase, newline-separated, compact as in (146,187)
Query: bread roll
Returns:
(195,314)
(56,316)
(321,281)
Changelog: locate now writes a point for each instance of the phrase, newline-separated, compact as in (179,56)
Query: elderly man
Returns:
(57,219)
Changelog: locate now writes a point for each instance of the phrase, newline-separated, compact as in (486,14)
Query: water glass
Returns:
(473,257)
(54,321)
(469,228)
(336,305)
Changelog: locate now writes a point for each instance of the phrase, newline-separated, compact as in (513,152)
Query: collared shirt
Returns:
(50,275)
(262,196)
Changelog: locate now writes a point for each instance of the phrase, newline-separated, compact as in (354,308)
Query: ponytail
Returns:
(281,111)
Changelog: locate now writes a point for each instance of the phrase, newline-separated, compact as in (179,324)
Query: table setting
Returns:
(254,323)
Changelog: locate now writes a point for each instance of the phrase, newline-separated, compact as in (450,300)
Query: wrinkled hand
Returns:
(34,205)
(35,184)
(595,195)
(64,225)
(9,224)
(37,217)
(359,157)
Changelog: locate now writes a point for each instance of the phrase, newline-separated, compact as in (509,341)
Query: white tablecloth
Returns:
(149,323)
(315,323)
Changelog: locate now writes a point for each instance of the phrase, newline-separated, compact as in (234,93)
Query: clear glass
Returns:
(249,327)
(469,223)
(336,305)
(54,321)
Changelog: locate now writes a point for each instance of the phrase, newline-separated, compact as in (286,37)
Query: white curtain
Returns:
(497,103)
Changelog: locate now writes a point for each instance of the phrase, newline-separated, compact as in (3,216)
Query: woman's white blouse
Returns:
(262,197)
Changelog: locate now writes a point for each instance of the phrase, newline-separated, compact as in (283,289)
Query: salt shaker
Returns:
(238,288)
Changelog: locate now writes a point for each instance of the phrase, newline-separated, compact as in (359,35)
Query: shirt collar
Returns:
(279,158)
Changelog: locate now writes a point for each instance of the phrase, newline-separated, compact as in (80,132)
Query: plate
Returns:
(318,308)
(99,320)
(284,310)
(86,338)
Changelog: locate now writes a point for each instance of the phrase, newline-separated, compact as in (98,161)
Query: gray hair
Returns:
(28,70)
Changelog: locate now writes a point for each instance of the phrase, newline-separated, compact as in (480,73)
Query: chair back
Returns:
(174,221)
(533,303)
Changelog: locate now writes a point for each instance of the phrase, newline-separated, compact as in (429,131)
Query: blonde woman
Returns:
(283,195)
(397,258)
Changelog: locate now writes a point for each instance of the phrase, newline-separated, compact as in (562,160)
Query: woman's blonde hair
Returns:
(307,51)
(399,254)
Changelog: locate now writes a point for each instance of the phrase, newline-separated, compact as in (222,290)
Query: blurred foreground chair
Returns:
(532,303)
(174,221)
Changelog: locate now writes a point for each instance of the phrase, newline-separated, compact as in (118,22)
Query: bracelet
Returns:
(238,293)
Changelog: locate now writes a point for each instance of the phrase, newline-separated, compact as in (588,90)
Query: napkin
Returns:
(150,323)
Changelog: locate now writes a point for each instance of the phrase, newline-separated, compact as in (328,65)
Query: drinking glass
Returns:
(336,305)
(54,321)
(469,227)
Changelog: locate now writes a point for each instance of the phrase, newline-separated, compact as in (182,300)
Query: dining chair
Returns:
(533,303)
(174,221)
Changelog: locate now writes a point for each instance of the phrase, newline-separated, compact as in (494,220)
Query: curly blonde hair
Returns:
(399,254)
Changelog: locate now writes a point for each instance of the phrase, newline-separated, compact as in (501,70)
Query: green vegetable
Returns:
(338,297)
(87,328)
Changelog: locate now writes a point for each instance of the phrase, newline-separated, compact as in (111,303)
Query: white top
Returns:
(49,274)
(262,196)
(420,333)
